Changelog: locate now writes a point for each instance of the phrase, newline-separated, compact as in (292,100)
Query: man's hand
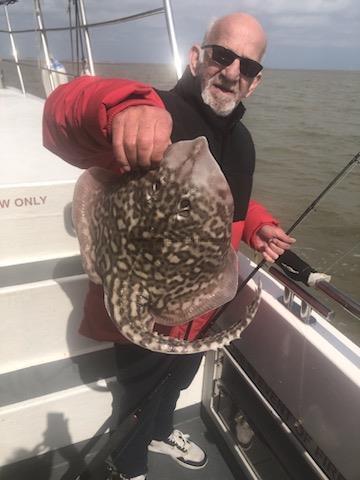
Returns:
(272,241)
(140,136)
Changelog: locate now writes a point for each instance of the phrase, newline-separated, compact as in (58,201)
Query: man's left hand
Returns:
(272,242)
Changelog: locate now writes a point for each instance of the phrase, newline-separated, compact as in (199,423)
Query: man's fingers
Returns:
(271,253)
(272,241)
(267,257)
(140,136)
(275,247)
(144,152)
(118,148)
(284,238)
(162,133)
(130,148)
(159,151)
(145,138)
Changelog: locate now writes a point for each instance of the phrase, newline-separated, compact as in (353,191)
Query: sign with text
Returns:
(35,222)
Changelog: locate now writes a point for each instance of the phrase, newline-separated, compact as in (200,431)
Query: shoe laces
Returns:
(180,440)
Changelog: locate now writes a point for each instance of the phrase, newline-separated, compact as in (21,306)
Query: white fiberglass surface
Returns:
(23,158)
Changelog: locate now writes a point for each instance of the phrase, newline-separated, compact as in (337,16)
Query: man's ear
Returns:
(194,59)
(257,80)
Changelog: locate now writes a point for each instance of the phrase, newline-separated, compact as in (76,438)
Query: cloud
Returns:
(303,26)
(300,21)
(285,6)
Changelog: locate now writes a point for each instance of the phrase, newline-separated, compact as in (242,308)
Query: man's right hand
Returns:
(140,136)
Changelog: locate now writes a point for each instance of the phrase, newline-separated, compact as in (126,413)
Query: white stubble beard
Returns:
(222,107)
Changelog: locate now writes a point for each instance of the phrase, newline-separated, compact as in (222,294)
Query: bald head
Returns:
(238,31)
(228,62)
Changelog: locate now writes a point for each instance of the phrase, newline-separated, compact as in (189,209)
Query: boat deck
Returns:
(35,187)
(53,402)
(65,463)
(46,403)
(24,160)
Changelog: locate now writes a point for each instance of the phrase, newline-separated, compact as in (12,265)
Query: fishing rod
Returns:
(345,171)
(337,179)
(128,427)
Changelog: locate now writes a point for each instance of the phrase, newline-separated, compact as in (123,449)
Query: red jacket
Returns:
(77,127)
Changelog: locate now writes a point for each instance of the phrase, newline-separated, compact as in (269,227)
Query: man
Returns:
(123,125)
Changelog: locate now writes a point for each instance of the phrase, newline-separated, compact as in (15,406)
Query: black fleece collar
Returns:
(189,88)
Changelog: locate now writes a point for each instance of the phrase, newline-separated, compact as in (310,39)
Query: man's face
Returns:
(223,88)
(224,77)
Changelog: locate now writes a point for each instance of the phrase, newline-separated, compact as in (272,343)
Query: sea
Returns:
(306,129)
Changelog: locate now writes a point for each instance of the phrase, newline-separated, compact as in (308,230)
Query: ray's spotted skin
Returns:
(159,243)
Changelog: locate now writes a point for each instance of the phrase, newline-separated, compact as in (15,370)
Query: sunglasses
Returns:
(225,57)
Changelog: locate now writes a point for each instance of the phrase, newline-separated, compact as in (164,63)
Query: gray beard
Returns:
(223,109)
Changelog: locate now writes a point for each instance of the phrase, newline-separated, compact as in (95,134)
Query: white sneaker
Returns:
(139,477)
(113,474)
(182,450)
(120,476)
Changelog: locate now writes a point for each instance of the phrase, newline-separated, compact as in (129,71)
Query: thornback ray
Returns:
(159,242)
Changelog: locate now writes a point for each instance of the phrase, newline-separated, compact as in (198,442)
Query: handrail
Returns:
(44,42)
(341,298)
(128,18)
(38,67)
(83,26)
(15,55)
(348,303)
(303,295)
(172,36)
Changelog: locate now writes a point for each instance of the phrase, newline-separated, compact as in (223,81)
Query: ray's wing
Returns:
(140,332)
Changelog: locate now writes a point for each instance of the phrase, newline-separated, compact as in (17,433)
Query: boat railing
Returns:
(82,27)
(309,302)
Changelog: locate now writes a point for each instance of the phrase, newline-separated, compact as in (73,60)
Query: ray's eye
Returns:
(153,189)
(184,204)
(156,185)
(184,207)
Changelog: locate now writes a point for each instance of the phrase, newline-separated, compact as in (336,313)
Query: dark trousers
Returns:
(139,371)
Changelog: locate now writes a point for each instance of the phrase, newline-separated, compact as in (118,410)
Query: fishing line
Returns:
(336,180)
(351,249)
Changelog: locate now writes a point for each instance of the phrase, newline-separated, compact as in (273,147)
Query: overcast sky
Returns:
(313,34)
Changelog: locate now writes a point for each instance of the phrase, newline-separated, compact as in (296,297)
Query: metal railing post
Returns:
(14,51)
(172,37)
(87,37)
(40,23)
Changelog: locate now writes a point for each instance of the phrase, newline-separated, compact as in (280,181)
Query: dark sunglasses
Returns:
(225,57)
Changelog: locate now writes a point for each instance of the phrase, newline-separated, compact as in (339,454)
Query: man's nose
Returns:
(232,71)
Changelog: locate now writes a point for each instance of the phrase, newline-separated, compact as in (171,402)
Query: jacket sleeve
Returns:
(256,217)
(77,117)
